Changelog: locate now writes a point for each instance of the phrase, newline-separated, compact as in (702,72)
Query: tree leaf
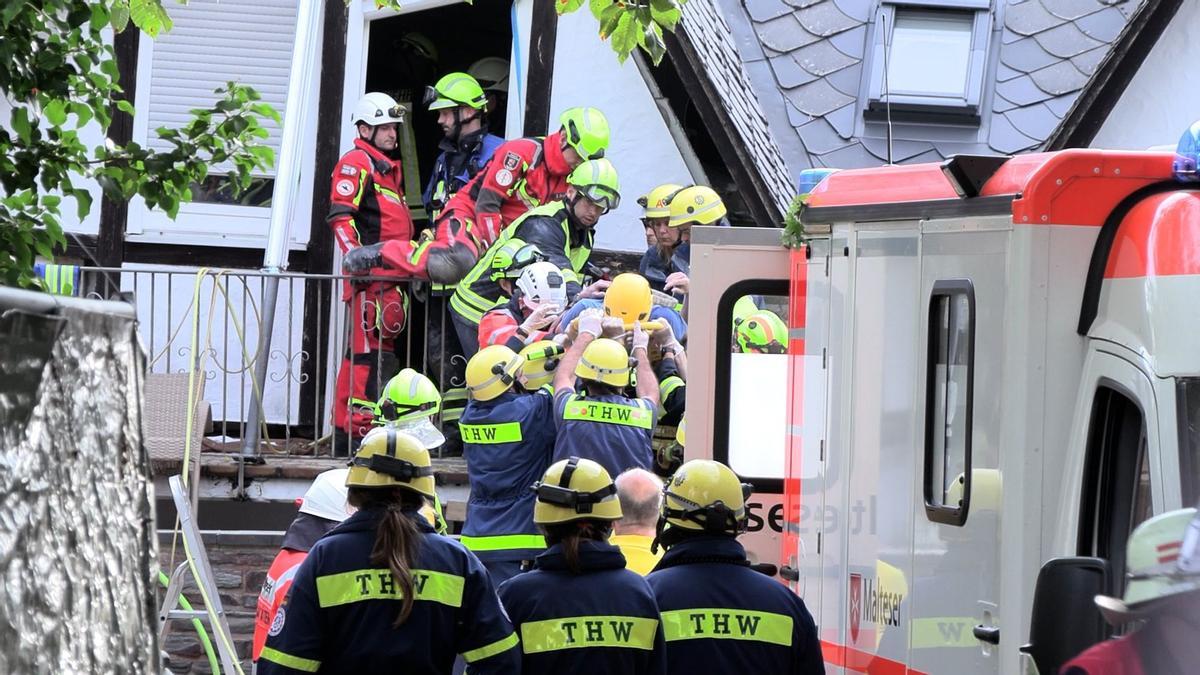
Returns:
(598,6)
(120,17)
(625,36)
(567,6)
(21,125)
(56,112)
(149,16)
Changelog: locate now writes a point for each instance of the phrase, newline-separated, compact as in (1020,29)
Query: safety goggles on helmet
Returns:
(602,196)
(430,95)
(390,466)
(714,518)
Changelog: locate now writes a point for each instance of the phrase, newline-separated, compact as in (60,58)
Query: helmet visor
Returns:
(602,196)
(423,430)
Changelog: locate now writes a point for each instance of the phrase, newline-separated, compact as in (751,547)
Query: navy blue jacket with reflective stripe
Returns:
(720,616)
(501,473)
(601,622)
(353,633)
(614,446)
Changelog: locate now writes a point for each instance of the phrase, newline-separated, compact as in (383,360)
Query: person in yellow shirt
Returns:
(640,493)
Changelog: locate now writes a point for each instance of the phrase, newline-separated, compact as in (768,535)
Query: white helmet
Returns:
(542,283)
(326,497)
(491,72)
(377,108)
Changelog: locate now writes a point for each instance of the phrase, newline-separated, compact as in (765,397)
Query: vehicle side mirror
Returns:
(1065,619)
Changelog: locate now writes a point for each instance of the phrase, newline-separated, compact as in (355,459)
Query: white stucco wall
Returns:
(1162,100)
(586,72)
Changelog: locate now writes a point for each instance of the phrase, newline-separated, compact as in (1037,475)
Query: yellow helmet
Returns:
(655,203)
(696,204)
(707,496)
(628,299)
(680,436)
(541,358)
(986,488)
(492,371)
(391,458)
(605,361)
(575,489)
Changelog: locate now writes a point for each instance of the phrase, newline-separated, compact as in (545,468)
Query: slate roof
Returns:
(715,48)
(807,61)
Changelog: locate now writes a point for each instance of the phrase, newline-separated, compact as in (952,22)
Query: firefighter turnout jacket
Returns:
(507,442)
(603,621)
(720,616)
(522,174)
(610,429)
(499,327)
(367,199)
(550,228)
(339,615)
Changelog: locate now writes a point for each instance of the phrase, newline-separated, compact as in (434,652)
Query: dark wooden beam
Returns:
(110,240)
(205,256)
(317,295)
(684,58)
(542,38)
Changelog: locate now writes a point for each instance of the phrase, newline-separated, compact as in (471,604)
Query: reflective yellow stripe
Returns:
(392,194)
(578,256)
(289,661)
(491,434)
(379,584)
(569,276)
(608,413)
(362,186)
(727,624)
(369,405)
(943,631)
(503,542)
(588,631)
(451,414)
(669,385)
(497,647)
(455,394)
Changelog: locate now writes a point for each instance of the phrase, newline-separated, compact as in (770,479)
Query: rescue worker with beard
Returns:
(508,435)
(540,296)
(384,589)
(563,230)
(461,107)
(366,209)
(718,614)
(579,610)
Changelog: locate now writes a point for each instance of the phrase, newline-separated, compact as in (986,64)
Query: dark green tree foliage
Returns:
(59,75)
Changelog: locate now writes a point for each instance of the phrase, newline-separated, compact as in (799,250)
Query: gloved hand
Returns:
(664,338)
(640,337)
(540,318)
(590,321)
(363,259)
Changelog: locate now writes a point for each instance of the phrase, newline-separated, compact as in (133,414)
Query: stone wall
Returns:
(239,563)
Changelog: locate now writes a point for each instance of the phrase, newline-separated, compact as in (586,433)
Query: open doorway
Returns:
(409,52)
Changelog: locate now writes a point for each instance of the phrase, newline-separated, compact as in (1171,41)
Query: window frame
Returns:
(885,26)
(942,513)
(723,369)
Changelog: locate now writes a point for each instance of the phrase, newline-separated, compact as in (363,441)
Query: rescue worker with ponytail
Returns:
(508,435)
(719,615)
(601,422)
(382,591)
(579,610)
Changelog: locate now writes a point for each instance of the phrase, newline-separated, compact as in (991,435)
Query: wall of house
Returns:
(239,563)
(586,72)
(1161,101)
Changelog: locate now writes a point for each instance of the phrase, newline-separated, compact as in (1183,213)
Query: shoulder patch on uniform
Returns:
(344,188)
(511,160)
(349,170)
(277,622)
(504,178)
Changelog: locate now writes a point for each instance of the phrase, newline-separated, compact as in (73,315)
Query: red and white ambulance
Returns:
(993,375)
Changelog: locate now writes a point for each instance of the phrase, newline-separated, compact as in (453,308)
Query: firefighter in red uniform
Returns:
(523,173)
(367,208)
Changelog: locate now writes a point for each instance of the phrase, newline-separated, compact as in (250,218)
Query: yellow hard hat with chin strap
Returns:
(392,458)
(605,361)
(705,496)
(541,359)
(575,489)
(492,371)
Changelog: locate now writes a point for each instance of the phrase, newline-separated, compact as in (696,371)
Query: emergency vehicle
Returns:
(993,375)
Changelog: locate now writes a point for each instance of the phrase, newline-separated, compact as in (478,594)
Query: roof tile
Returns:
(1065,41)
(1029,18)
(849,157)
(825,19)
(1058,79)
(817,98)
(843,120)
(855,9)
(788,73)
(1005,137)
(847,80)
(1004,73)
(1034,121)
(1087,61)
(929,157)
(1071,9)
(1021,91)
(765,10)
(784,34)
(820,137)
(1026,55)
(1001,104)
(795,117)
(901,149)
(1104,25)
(852,42)
(820,58)
(801,4)
(1060,105)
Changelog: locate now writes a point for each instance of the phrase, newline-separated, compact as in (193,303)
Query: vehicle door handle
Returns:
(789,573)
(989,634)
